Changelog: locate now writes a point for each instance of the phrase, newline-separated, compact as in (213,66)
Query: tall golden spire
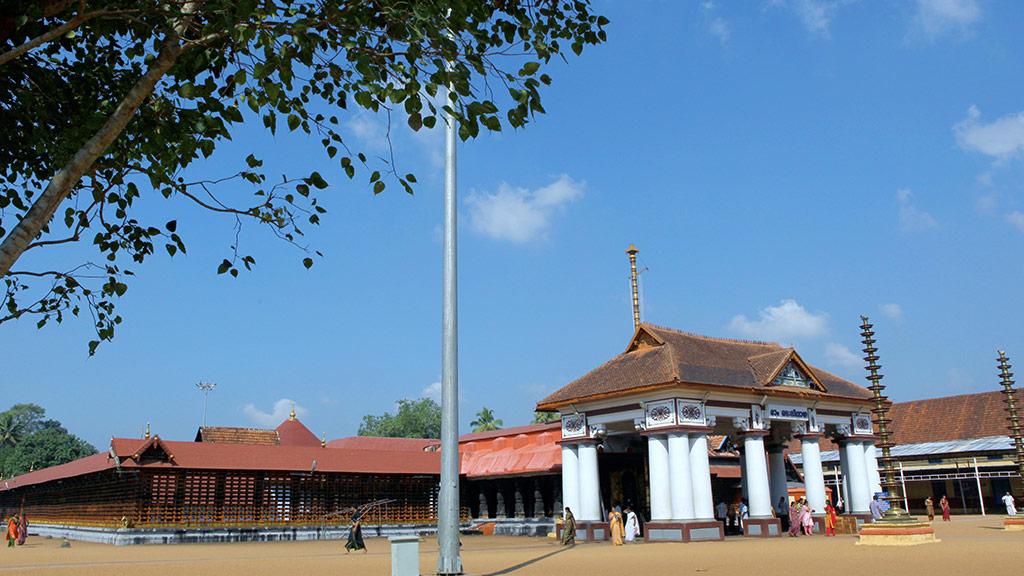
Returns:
(632,251)
(323,440)
(291,415)
(147,431)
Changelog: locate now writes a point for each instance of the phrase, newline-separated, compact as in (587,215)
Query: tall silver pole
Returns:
(977,478)
(903,482)
(448,560)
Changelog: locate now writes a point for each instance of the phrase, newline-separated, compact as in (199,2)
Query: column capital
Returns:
(676,429)
(753,433)
(578,441)
(809,436)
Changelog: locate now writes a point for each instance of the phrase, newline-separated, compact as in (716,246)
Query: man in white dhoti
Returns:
(632,525)
(1011,507)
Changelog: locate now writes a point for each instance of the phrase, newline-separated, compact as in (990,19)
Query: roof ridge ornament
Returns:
(291,415)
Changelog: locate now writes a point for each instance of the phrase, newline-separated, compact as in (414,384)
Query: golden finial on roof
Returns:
(323,440)
(291,416)
(147,431)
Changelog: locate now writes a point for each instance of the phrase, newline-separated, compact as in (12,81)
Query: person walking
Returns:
(929,507)
(830,520)
(568,528)
(744,514)
(632,525)
(944,504)
(721,511)
(806,520)
(355,535)
(876,509)
(615,526)
(1011,506)
(794,519)
(22,529)
(12,531)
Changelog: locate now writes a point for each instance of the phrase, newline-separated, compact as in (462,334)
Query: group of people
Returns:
(623,526)
(17,530)
(800,519)
(929,508)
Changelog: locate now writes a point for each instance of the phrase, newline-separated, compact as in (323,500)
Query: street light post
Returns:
(205,388)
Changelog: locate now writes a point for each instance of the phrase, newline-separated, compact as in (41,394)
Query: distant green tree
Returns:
(29,441)
(414,419)
(545,417)
(485,421)
(47,447)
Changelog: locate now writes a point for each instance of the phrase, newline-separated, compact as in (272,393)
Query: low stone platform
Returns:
(131,536)
(517,526)
(764,527)
(896,534)
(684,531)
(1013,523)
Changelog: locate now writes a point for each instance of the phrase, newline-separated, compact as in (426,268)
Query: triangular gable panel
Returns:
(153,451)
(797,374)
(643,338)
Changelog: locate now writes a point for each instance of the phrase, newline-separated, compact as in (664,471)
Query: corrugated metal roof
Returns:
(987,444)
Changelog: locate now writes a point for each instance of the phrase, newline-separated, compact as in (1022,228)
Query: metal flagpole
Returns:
(448,560)
(977,478)
(903,483)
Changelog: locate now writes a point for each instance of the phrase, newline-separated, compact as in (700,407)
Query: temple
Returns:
(661,400)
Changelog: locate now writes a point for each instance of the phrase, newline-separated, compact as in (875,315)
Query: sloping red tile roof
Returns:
(255,457)
(294,433)
(960,417)
(386,444)
(232,435)
(523,450)
(659,357)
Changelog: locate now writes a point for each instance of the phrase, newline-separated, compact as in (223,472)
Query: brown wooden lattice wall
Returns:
(194,498)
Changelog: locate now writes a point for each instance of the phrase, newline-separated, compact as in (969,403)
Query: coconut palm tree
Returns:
(485,421)
(545,417)
(10,429)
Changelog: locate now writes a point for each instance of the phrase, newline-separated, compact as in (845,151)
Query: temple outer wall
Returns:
(132,536)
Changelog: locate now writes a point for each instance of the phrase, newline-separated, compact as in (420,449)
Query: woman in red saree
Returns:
(830,520)
(944,503)
(12,531)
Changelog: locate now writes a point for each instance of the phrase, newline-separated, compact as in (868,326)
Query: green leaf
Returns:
(224,266)
(172,226)
(529,69)
(293,122)
(307,262)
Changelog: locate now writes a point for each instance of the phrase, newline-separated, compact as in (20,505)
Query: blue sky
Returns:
(783,166)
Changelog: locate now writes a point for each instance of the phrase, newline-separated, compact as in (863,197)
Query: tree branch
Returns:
(57,33)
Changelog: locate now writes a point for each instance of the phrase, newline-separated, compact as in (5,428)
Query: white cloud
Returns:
(717,26)
(372,133)
(520,215)
(788,320)
(912,218)
(1001,139)
(893,311)
(815,15)
(937,17)
(280,412)
(838,355)
(433,392)
(1016,219)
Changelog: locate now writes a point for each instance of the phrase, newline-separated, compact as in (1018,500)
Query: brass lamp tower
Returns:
(1013,419)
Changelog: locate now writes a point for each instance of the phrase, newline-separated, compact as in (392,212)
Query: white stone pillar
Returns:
(700,474)
(679,474)
(744,489)
(777,475)
(844,469)
(570,479)
(590,487)
(658,472)
(756,476)
(814,478)
(871,464)
(857,477)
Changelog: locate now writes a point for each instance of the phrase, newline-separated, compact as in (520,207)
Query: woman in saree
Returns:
(929,507)
(944,504)
(355,535)
(806,520)
(794,518)
(22,529)
(568,528)
(616,527)
(12,531)
(830,520)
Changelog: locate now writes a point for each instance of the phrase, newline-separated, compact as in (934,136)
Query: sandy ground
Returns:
(972,546)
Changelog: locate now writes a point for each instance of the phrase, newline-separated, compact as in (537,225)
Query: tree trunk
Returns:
(67,177)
